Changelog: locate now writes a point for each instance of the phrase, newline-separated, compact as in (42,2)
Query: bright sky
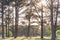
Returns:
(24,8)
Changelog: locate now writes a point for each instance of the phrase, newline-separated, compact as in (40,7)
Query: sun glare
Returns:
(43,2)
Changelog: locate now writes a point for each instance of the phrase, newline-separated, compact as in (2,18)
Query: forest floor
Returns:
(27,38)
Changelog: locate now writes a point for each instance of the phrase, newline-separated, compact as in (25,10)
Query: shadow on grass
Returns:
(41,39)
(26,38)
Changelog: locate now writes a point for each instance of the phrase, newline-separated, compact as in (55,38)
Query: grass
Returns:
(27,38)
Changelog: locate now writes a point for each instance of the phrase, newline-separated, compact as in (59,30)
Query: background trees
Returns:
(30,15)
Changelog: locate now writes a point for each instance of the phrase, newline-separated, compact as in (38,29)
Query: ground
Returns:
(27,38)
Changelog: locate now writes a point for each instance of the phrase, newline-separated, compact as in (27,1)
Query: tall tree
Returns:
(2,19)
(28,24)
(52,24)
(28,16)
(42,22)
(16,18)
(8,21)
(6,26)
(56,17)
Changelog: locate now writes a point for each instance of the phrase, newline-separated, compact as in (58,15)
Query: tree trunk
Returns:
(8,21)
(29,27)
(6,28)
(52,24)
(42,23)
(16,19)
(56,17)
(2,21)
